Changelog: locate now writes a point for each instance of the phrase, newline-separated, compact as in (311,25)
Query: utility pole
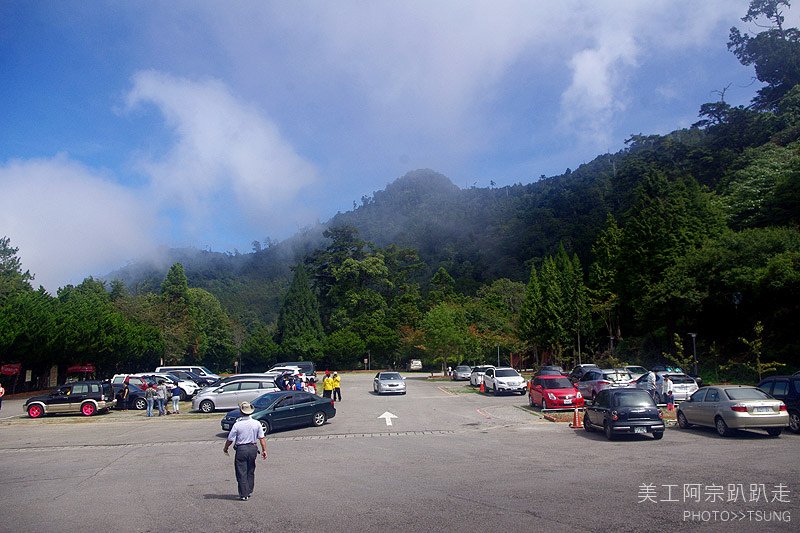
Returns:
(498,355)
(694,351)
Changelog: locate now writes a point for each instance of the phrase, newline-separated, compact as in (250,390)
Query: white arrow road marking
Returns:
(388,416)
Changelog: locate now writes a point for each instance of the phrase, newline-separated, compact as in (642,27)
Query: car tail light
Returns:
(603,382)
(614,415)
(783,407)
(739,408)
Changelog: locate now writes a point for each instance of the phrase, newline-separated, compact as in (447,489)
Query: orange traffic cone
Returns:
(576,420)
(483,387)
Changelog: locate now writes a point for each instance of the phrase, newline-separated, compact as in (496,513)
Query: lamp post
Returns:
(694,351)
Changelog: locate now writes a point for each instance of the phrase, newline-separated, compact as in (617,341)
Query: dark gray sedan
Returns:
(285,409)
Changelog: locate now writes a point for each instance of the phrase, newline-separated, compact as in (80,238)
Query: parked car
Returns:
(554,392)
(389,382)
(83,397)
(191,376)
(787,390)
(461,373)
(734,407)
(550,370)
(133,381)
(624,411)
(596,380)
(229,395)
(476,377)
(579,370)
(415,365)
(503,379)
(201,371)
(306,367)
(683,386)
(283,409)
(636,370)
(134,400)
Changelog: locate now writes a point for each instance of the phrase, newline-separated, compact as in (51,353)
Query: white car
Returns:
(504,379)
(275,371)
(188,388)
(476,377)
(229,395)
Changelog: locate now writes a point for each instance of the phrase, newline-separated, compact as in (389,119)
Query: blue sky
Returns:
(129,126)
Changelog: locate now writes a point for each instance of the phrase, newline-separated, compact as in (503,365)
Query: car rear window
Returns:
(617,376)
(557,383)
(507,373)
(681,380)
(746,394)
(634,399)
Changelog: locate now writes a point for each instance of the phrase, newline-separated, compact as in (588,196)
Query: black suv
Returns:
(786,389)
(618,411)
(84,397)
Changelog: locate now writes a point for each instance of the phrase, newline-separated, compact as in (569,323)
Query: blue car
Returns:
(285,409)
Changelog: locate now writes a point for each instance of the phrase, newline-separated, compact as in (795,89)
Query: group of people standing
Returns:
(332,386)
(158,394)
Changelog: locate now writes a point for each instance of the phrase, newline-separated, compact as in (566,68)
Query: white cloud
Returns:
(224,150)
(69,221)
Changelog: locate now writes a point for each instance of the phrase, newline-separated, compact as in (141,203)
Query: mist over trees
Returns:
(692,232)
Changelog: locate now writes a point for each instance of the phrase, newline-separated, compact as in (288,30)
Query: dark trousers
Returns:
(245,464)
(326,393)
(337,394)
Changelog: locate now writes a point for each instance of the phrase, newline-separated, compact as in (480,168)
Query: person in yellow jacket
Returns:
(337,387)
(327,385)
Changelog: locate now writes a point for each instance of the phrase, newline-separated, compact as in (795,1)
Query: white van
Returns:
(201,371)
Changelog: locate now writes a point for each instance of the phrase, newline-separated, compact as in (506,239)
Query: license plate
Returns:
(640,430)
(762,409)
(567,401)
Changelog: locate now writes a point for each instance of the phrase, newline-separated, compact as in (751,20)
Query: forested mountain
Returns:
(682,241)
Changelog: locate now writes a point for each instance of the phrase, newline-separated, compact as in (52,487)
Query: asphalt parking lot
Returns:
(451,460)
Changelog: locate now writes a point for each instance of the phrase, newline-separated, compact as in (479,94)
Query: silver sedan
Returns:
(389,382)
(734,407)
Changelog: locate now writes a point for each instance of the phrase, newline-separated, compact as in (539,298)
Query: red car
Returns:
(554,392)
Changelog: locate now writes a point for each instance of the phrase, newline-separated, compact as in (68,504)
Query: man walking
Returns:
(2,393)
(243,435)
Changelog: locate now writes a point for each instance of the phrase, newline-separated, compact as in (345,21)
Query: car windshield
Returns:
(506,373)
(636,369)
(391,376)
(617,376)
(634,399)
(557,383)
(747,394)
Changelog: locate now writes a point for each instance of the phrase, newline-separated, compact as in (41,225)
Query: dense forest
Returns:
(679,244)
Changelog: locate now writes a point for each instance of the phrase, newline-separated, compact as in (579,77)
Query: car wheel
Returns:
(88,409)
(722,427)
(206,406)
(607,429)
(682,422)
(140,404)
(264,426)
(794,421)
(774,432)
(586,425)
(657,435)
(183,394)
(544,404)
(35,411)
(319,418)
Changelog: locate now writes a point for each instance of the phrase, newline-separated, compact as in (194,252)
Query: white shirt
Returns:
(246,431)
(666,386)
